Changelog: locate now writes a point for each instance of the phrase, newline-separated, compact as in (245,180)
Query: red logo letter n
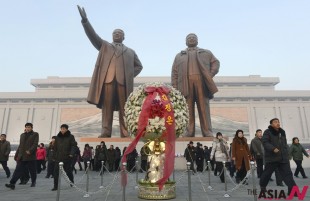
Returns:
(301,195)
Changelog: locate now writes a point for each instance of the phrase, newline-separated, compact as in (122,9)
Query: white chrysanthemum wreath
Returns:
(156,123)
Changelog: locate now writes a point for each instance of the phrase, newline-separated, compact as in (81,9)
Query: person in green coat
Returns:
(296,152)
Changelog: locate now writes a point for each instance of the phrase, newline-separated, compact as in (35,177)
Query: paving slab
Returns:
(112,190)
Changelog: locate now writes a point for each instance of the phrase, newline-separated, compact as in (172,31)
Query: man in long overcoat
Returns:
(192,73)
(112,79)
(26,157)
(65,147)
(5,149)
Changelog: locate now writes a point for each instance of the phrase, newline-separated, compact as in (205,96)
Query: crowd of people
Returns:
(269,150)
(32,157)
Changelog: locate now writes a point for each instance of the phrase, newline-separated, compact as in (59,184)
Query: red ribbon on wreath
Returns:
(168,136)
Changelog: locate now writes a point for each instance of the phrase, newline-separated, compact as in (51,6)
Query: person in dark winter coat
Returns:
(297,151)
(26,156)
(64,149)
(257,151)
(276,155)
(144,152)
(101,155)
(199,157)
(77,158)
(190,155)
(111,158)
(50,158)
(131,159)
(25,174)
(118,156)
(5,149)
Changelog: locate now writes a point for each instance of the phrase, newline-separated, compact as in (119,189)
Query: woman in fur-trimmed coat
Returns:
(241,155)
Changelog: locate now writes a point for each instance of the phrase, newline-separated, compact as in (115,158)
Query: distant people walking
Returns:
(220,151)
(200,155)
(87,153)
(190,155)
(111,158)
(101,155)
(207,153)
(297,151)
(77,159)
(118,156)
(41,156)
(240,155)
(50,158)
(144,152)
(26,157)
(276,155)
(131,159)
(5,149)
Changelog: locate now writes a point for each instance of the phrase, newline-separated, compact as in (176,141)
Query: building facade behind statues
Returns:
(112,79)
(192,73)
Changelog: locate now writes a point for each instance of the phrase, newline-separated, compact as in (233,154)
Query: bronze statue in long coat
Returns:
(113,76)
(192,73)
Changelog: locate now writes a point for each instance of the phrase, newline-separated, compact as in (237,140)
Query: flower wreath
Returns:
(156,121)
(156,110)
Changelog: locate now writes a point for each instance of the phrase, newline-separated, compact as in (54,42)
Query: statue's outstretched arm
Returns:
(89,30)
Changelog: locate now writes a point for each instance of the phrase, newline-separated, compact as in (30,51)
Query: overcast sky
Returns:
(270,38)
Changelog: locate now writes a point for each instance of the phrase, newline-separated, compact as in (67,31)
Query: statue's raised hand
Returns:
(82,13)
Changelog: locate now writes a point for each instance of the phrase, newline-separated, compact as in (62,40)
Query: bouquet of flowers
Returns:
(156,120)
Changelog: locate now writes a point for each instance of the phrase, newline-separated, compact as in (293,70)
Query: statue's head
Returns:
(191,40)
(118,36)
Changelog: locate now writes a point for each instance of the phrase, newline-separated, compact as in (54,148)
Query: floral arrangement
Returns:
(156,121)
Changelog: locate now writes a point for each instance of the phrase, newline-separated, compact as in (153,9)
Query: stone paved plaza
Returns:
(199,183)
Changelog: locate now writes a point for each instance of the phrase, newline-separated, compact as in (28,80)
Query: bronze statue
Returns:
(192,73)
(112,79)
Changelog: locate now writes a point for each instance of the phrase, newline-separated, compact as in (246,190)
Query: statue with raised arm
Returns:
(192,74)
(113,76)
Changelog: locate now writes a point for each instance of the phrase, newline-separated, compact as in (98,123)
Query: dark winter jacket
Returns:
(273,139)
(257,149)
(117,154)
(200,155)
(296,151)
(132,155)
(50,152)
(190,154)
(5,149)
(28,142)
(144,152)
(111,155)
(64,147)
(101,153)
